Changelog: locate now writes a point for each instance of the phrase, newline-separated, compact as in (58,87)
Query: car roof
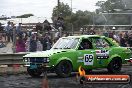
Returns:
(83,36)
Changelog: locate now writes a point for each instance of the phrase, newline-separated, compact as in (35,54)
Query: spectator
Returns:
(20,45)
(116,37)
(39,27)
(59,23)
(46,42)
(57,36)
(122,41)
(33,43)
(130,40)
(39,45)
(1,28)
(111,35)
(91,32)
(7,30)
(27,44)
(11,31)
(19,30)
(47,26)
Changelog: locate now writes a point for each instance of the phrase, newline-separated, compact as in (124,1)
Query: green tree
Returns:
(82,18)
(25,16)
(112,6)
(64,10)
(78,19)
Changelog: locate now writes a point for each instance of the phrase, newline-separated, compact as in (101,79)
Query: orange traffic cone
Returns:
(77,77)
(15,68)
(45,81)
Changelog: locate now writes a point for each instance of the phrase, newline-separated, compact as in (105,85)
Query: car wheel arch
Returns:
(115,65)
(63,59)
(114,57)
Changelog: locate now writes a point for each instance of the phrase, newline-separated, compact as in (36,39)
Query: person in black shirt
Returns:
(39,27)
(130,40)
(33,43)
(46,42)
(1,28)
(122,41)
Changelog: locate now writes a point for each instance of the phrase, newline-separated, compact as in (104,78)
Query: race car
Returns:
(68,53)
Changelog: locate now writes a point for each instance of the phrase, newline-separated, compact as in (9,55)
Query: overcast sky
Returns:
(41,8)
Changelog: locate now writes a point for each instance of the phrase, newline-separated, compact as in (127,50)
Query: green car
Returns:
(68,53)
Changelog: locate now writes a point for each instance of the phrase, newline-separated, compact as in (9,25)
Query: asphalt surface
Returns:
(25,81)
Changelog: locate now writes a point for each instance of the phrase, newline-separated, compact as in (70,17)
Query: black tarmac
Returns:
(25,81)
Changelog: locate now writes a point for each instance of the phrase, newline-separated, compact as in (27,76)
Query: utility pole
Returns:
(58,11)
(71,7)
(71,20)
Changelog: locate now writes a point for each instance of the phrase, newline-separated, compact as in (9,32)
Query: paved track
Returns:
(25,81)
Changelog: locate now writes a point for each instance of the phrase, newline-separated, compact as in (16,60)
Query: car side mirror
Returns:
(80,47)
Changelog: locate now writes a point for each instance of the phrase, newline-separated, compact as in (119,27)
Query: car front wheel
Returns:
(34,72)
(64,69)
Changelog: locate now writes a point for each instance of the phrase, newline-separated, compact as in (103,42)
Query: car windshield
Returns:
(66,43)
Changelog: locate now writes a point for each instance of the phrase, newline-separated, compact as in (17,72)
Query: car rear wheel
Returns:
(64,69)
(115,66)
(34,72)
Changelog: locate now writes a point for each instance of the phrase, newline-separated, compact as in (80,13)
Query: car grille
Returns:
(36,59)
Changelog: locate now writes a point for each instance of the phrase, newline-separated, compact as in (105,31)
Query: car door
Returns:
(102,51)
(86,56)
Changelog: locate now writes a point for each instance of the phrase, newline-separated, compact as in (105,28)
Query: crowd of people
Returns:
(26,41)
(41,37)
(123,38)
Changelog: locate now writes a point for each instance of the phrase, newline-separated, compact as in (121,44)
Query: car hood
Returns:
(46,53)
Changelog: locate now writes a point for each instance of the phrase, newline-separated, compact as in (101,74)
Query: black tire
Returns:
(34,72)
(64,69)
(115,66)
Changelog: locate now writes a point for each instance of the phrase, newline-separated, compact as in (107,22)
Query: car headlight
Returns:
(26,59)
(48,60)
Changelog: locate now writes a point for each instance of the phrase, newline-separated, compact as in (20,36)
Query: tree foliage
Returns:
(113,6)
(110,5)
(78,19)
(25,16)
(64,10)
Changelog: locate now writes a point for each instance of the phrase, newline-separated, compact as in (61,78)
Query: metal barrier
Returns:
(12,59)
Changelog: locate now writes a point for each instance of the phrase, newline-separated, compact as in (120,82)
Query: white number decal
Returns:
(88,59)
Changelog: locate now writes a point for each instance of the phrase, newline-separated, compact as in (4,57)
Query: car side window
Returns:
(101,43)
(85,44)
